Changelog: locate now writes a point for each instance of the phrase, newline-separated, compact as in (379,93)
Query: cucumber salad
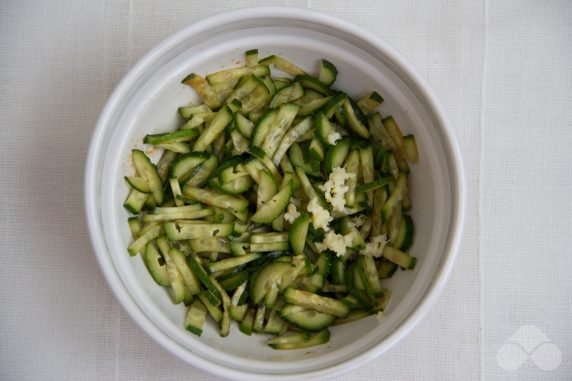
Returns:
(281,203)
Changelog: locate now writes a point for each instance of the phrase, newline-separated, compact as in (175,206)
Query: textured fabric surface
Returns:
(503,70)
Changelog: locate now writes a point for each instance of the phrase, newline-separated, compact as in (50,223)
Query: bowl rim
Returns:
(439,280)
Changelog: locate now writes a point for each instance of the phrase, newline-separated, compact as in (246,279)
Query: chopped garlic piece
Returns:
(334,242)
(374,247)
(335,188)
(358,221)
(320,216)
(337,243)
(291,213)
(351,236)
(333,137)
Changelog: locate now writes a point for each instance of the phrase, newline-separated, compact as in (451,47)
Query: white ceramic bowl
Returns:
(146,101)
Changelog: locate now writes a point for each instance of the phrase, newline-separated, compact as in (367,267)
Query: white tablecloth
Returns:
(503,69)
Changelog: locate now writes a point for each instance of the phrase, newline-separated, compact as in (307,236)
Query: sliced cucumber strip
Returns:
(205,91)
(324,129)
(218,244)
(188,112)
(287,94)
(271,237)
(405,234)
(189,278)
(171,137)
(230,263)
(179,291)
(274,246)
(354,122)
(258,324)
(202,172)
(275,324)
(233,187)
(247,322)
(313,106)
(212,308)
(395,133)
(182,168)
(316,302)
(268,278)
(257,99)
(202,275)
(282,122)
(410,149)
(282,82)
(386,269)
(336,155)
(236,73)
(267,188)
(328,72)
(309,82)
(152,232)
(235,204)
(333,107)
(238,248)
(262,128)
(214,129)
(352,166)
(370,102)
(180,230)
(308,320)
(396,196)
(273,208)
(282,64)
(373,185)
(299,340)
(138,183)
(156,265)
(135,201)
(230,284)
(149,172)
(243,124)
(398,257)
(264,159)
(379,132)
(251,57)
(196,317)
(180,215)
(134,226)
(316,150)
(371,275)
(298,233)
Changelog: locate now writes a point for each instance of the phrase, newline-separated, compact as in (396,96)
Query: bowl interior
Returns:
(148,104)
